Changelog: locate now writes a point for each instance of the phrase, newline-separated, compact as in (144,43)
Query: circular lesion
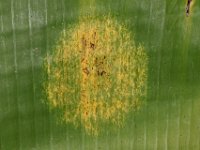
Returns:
(97,75)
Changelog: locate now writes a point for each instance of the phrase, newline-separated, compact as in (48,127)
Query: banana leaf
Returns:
(169,119)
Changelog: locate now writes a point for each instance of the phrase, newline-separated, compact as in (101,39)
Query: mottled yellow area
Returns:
(96,74)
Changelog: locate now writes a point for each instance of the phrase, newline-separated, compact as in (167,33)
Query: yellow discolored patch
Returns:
(96,74)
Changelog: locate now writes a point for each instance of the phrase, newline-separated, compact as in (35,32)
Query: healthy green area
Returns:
(169,120)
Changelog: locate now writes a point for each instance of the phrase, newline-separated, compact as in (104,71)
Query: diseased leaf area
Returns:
(96,74)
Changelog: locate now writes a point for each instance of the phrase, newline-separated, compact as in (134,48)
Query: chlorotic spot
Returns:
(96,74)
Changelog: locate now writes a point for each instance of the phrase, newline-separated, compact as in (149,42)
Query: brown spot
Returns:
(82,59)
(86,71)
(94,35)
(92,46)
(101,73)
(188,7)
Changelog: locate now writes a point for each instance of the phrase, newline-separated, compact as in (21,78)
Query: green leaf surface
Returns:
(170,119)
